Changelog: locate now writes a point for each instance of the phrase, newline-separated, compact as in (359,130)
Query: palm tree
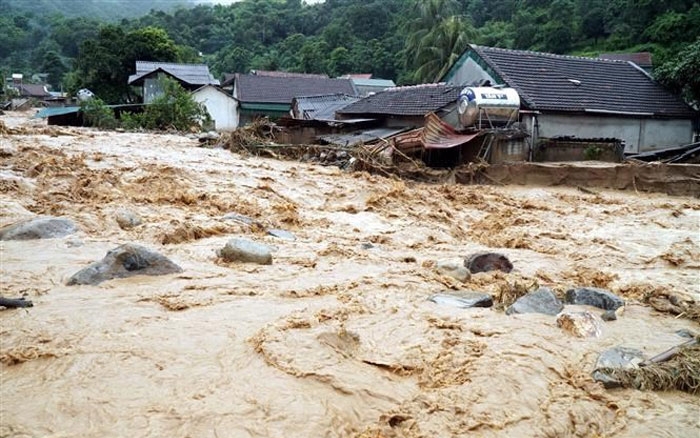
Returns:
(441,47)
(436,38)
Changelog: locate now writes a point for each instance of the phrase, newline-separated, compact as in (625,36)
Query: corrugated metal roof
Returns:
(56,111)
(439,135)
(386,83)
(61,110)
(193,74)
(358,137)
(321,107)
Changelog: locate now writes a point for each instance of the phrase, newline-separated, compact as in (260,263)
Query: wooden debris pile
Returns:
(677,368)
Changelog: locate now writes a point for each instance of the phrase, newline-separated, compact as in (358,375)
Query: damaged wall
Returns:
(639,134)
(565,149)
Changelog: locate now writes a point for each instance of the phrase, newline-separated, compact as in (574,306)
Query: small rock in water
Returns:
(612,359)
(39,228)
(207,137)
(15,303)
(542,300)
(463,300)
(592,296)
(124,261)
(581,324)
(454,269)
(281,234)
(240,218)
(74,243)
(685,333)
(609,315)
(127,219)
(488,261)
(246,251)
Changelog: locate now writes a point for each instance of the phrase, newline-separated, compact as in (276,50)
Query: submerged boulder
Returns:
(593,296)
(125,261)
(463,300)
(542,300)
(618,358)
(127,219)
(453,269)
(39,228)
(580,324)
(609,315)
(246,251)
(488,261)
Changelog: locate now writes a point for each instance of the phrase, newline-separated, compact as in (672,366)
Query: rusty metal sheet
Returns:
(439,135)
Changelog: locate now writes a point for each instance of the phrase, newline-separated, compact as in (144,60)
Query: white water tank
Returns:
(488,107)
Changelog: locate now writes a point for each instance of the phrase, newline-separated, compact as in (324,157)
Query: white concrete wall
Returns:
(470,72)
(639,134)
(223,109)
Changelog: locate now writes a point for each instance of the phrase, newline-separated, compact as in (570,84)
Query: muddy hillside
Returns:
(351,318)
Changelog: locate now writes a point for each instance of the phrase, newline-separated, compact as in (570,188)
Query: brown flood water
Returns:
(332,340)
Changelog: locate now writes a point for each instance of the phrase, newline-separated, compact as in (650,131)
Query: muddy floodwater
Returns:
(337,337)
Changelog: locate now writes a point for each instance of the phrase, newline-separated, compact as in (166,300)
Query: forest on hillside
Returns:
(409,41)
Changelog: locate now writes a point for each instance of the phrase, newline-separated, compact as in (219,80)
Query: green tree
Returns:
(682,73)
(55,68)
(339,62)
(440,48)
(558,32)
(174,109)
(105,63)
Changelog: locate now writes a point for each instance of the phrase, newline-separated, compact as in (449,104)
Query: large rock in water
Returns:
(615,359)
(488,261)
(542,300)
(580,324)
(592,296)
(463,300)
(454,269)
(127,219)
(39,228)
(246,251)
(125,261)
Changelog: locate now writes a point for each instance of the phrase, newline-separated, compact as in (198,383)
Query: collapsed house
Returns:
(580,98)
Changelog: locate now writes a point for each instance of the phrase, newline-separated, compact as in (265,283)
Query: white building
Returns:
(221,106)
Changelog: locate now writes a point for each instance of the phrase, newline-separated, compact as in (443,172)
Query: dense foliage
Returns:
(173,109)
(405,40)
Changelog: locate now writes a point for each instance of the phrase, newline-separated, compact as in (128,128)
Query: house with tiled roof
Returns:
(189,76)
(405,106)
(582,98)
(271,95)
(36,91)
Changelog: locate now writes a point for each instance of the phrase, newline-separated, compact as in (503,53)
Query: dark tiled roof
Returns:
(642,59)
(33,90)
(194,74)
(570,83)
(286,74)
(416,100)
(271,89)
